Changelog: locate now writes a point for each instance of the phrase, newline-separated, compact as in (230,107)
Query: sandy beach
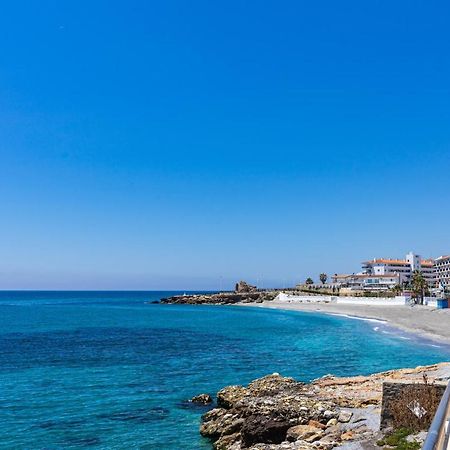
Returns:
(426,322)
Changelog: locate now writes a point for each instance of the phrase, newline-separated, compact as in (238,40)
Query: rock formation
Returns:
(243,287)
(201,399)
(222,298)
(279,413)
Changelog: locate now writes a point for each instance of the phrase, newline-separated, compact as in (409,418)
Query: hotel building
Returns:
(402,267)
(442,271)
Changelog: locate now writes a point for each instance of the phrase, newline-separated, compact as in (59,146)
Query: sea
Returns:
(112,370)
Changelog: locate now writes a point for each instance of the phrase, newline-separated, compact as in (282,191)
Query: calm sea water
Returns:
(105,370)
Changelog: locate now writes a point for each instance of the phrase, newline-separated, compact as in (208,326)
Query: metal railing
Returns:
(438,434)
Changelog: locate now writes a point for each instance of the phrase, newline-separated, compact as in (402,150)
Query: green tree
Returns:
(309,281)
(397,289)
(323,278)
(419,286)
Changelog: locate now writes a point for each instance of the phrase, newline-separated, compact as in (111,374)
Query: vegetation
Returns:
(419,286)
(397,289)
(323,278)
(397,440)
(309,281)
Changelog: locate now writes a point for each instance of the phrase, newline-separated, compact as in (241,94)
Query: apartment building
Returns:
(442,271)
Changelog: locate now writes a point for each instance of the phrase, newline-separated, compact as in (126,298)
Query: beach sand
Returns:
(423,321)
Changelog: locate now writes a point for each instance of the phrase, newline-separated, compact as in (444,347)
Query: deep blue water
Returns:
(105,370)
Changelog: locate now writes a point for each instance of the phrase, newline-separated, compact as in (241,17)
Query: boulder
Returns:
(308,433)
(201,399)
(345,416)
(317,424)
(348,435)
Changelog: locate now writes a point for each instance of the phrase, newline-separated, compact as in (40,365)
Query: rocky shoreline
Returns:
(223,298)
(280,413)
(243,293)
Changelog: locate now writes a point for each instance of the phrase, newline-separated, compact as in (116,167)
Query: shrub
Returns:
(397,439)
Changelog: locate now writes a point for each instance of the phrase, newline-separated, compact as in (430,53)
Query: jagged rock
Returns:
(202,399)
(212,423)
(222,298)
(306,433)
(230,395)
(317,424)
(345,416)
(228,442)
(419,437)
(264,429)
(223,423)
(330,441)
(242,286)
(273,409)
(298,445)
(330,414)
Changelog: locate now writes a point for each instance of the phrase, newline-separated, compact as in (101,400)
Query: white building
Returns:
(402,267)
(442,271)
(367,282)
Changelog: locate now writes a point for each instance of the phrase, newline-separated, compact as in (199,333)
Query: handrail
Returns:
(438,429)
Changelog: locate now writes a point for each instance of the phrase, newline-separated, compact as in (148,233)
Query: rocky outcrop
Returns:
(243,287)
(280,413)
(222,298)
(201,399)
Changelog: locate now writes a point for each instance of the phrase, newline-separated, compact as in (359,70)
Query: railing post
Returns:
(437,437)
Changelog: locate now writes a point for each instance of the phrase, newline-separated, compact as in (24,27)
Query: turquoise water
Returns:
(106,370)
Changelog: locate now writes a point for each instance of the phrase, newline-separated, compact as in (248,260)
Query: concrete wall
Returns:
(375,301)
(289,298)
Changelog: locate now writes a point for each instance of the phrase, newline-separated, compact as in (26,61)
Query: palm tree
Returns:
(419,286)
(397,289)
(309,281)
(323,278)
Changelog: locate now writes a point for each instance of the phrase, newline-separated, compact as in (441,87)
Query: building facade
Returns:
(367,282)
(442,271)
(404,268)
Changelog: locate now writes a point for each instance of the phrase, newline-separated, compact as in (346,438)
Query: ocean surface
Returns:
(106,370)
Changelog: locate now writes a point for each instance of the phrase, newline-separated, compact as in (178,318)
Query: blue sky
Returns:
(172,145)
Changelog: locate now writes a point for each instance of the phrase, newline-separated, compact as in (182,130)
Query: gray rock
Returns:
(345,416)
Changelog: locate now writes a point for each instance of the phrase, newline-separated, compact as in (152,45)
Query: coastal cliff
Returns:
(280,413)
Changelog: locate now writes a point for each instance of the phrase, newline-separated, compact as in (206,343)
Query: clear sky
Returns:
(175,144)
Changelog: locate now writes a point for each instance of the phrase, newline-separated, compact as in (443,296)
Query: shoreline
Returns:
(420,321)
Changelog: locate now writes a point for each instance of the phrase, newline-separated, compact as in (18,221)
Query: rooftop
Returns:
(359,275)
(403,262)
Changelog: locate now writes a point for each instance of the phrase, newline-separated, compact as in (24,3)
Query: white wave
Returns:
(365,319)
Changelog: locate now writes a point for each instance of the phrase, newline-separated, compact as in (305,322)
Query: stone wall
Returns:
(409,405)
